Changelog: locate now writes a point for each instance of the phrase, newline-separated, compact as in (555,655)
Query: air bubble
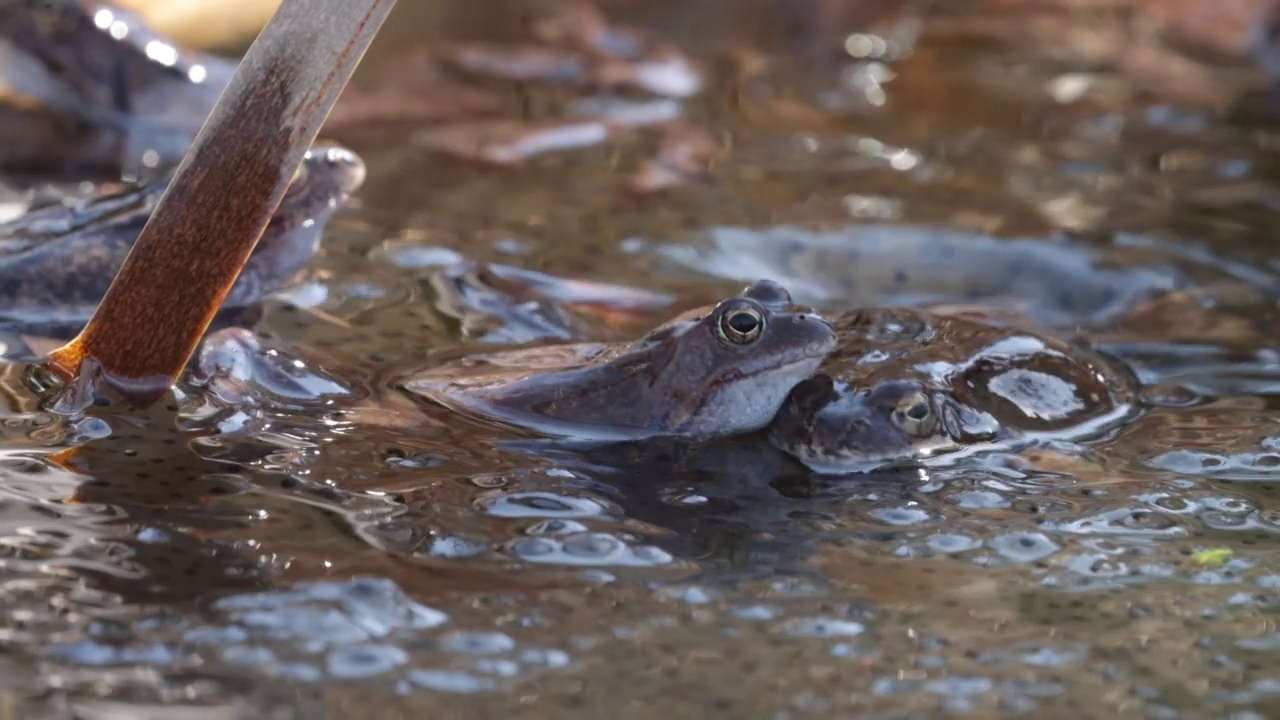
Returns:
(478,643)
(959,686)
(594,545)
(541,504)
(535,548)
(1024,546)
(1051,657)
(952,543)
(692,595)
(501,668)
(1266,460)
(599,549)
(556,527)
(980,499)
(755,612)
(449,681)
(822,627)
(551,658)
(365,661)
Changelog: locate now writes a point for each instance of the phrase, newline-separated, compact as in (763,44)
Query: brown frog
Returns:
(87,88)
(1056,281)
(905,385)
(56,262)
(712,371)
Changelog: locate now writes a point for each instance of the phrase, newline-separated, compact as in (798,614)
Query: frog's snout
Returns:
(346,167)
(812,325)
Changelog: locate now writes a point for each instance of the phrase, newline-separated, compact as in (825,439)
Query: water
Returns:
(258,550)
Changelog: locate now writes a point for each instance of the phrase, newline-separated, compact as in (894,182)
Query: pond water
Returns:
(249,550)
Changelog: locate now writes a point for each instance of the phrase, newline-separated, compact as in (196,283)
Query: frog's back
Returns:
(56,262)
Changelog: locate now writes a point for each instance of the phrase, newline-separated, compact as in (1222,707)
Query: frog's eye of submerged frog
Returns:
(740,323)
(914,415)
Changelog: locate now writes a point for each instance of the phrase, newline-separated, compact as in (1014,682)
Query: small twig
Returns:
(222,196)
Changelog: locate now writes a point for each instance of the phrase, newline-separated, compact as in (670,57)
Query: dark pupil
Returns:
(918,412)
(743,323)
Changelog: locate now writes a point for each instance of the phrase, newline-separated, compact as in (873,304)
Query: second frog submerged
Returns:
(904,385)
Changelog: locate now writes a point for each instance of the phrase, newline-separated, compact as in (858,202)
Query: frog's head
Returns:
(833,427)
(327,177)
(726,369)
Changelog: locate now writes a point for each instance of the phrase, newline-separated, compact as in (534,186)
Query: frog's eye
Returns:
(53,17)
(740,325)
(914,415)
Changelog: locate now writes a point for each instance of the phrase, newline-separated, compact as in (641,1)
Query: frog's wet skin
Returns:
(87,88)
(709,372)
(57,262)
(906,385)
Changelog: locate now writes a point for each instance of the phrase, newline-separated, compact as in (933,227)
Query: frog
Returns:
(711,371)
(906,385)
(1054,282)
(57,261)
(91,91)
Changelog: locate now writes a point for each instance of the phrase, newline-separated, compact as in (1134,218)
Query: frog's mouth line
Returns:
(742,374)
(852,463)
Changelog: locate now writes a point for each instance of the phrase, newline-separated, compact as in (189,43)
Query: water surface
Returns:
(279,560)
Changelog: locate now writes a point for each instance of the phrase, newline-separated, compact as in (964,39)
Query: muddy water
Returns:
(276,558)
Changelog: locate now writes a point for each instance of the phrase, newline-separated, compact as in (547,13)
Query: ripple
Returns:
(543,505)
(588,549)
